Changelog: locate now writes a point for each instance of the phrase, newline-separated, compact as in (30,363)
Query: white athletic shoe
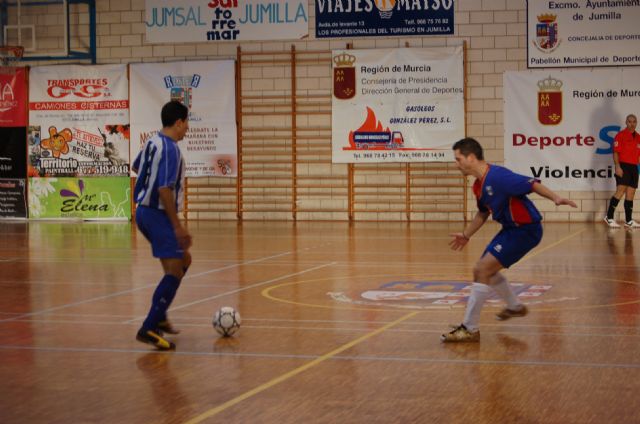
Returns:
(631,224)
(611,223)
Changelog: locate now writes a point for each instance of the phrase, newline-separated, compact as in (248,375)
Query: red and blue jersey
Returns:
(503,193)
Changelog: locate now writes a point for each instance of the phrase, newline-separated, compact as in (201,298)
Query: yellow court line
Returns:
(552,245)
(213,411)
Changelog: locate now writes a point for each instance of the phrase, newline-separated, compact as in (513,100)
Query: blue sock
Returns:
(162,298)
(170,296)
(184,271)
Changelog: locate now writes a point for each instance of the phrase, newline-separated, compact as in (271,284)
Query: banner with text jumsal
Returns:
(564,34)
(207,88)
(397,105)
(560,125)
(78,121)
(184,21)
(383,18)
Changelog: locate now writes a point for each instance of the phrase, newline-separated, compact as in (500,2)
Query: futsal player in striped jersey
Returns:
(159,193)
(502,194)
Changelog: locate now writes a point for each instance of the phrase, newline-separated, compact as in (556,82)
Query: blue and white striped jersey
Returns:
(159,164)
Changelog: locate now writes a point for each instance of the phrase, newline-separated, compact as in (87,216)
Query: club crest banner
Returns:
(78,121)
(397,105)
(560,125)
(207,88)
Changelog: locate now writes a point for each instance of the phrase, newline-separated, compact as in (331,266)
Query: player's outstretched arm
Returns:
(460,240)
(544,191)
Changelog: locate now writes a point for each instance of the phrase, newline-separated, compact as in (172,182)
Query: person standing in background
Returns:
(626,154)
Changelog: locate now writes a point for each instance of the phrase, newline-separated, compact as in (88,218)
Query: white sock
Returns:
(479,294)
(501,286)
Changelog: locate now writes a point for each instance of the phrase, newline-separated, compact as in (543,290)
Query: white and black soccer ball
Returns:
(226,321)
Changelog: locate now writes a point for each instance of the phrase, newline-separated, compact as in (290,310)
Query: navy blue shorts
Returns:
(156,227)
(512,243)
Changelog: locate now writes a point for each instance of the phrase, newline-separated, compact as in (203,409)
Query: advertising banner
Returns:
(13,202)
(13,172)
(383,18)
(78,120)
(397,105)
(560,125)
(13,98)
(181,21)
(582,33)
(207,88)
(80,198)
(13,152)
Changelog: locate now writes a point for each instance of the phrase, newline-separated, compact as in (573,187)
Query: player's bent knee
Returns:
(482,275)
(186,260)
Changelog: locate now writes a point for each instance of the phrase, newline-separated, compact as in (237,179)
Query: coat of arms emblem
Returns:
(547,33)
(344,76)
(550,101)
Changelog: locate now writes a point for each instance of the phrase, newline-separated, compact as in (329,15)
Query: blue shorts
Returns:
(155,226)
(512,243)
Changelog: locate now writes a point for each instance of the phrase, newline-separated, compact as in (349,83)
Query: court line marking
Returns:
(529,330)
(253,261)
(184,320)
(333,358)
(286,376)
(262,283)
(116,294)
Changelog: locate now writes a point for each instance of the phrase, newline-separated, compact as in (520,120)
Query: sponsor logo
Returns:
(7,97)
(225,166)
(180,87)
(435,294)
(385,8)
(58,142)
(83,88)
(76,200)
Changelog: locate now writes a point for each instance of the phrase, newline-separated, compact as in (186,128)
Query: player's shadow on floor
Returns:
(512,344)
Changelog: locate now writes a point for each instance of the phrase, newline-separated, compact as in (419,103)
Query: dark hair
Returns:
(469,145)
(172,111)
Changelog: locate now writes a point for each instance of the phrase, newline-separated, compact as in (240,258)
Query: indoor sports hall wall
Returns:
(494,34)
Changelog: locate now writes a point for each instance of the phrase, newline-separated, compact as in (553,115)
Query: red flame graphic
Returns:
(371,124)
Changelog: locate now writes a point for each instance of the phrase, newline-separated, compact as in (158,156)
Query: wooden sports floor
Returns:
(341,324)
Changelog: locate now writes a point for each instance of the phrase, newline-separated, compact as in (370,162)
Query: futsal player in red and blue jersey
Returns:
(159,194)
(502,194)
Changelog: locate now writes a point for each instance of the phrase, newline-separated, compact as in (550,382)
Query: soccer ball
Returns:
(226,321)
